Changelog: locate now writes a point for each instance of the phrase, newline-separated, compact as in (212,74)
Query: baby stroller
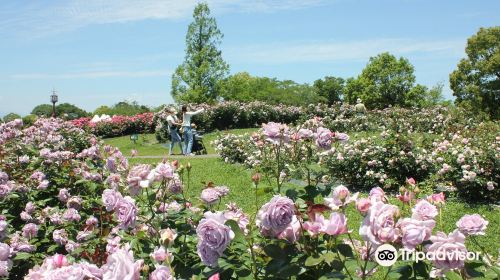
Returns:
(198,146)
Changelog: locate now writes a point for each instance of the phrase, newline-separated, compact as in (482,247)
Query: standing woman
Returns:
(186,126)
(173,129)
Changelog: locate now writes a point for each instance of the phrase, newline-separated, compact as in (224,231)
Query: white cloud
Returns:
(328,51)
(38,19)
(93,75)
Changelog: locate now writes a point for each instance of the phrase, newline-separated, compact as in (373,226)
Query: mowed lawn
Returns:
(147,145)
(238,179)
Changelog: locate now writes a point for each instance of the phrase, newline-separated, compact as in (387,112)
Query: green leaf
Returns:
(238,234)
(52,248)
(313,261)
(22,256)
(401,272)
(345,250)
(274,251)
(329,257)
(452,275)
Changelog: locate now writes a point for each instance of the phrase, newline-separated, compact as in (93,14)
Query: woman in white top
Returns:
(186,125)
(173,123)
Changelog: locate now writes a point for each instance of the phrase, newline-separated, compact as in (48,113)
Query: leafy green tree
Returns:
(10,117)
(70,111)
(197,78)
(476,81)
(330,88)
(123,108)
(244,87)
(42,110)
(385,81)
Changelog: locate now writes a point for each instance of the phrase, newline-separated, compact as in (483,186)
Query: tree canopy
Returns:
(197,78)
(244,87)
(476,81)
(330,88)
(389,81)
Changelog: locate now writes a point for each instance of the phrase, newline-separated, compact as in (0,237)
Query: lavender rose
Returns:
(121,265)
(213,233)
(126,212)
(414,232)
(110,199)
(161,273)
(208,256)
(324,138)
(276,215)
(423,210)
(472,225)
(448,252)
(4,251)
(379,225)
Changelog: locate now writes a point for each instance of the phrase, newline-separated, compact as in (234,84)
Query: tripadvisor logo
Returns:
(387,255)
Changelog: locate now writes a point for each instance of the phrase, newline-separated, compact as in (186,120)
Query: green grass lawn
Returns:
(147,145)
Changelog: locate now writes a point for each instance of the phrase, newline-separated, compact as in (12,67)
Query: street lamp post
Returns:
(53,99)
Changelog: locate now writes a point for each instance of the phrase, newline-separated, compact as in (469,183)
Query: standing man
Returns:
(360,107)
(173,129)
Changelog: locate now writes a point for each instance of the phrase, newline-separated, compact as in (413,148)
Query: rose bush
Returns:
(73,208)
(117,125)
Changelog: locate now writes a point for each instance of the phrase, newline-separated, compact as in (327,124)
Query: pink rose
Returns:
(314,225)
(30,230)
(340,197)
(411,181)
(210,196)
(363,205)
(276,215)
(472,225)
(377,194)
(275,132)
(406,197)
(436,199)
(138,178)
(336,225)
(447,251)
(216,276)
(423,210)
(159,254)
(163,171)
(121,265)
(379,224)
(63,195)
(414,232)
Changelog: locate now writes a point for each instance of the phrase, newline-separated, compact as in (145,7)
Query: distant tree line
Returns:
(385,81)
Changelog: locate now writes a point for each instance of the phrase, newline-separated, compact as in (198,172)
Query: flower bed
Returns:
(117,125)
(463,163)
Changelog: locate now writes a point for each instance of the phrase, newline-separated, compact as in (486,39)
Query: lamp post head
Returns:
(53,97)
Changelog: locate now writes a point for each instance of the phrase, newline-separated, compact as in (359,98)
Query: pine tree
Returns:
(197,79)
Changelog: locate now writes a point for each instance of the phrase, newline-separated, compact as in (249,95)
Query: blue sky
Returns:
(100,52)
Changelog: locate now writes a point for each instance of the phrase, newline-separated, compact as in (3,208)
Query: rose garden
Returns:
(310,194)
(249,176)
